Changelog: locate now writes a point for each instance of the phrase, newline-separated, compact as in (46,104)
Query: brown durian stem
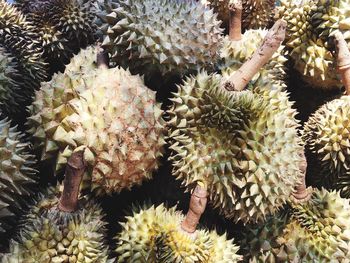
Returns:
(198,203)
(102,59)
(301,192)
(343,60)
(235,26)
(272,41)
(74,173)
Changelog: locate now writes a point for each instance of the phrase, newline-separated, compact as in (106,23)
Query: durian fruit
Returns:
(259,239)
(17,175)
(19,40)
(234,143)
(61,227)
(160,37)
(255,13)
(64,26)
(311,25)
(118,121)
(326,135)
(155,235)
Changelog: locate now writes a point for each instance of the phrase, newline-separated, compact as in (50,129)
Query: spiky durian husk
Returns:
(235,53)
(16,172)
(155,235)
(176,37)
(10,84)
(115,120)
(310,27)
(326,135)
(73,19)
(259,239)
(20,41)
(255,14)
(319,230)
(232,141)
(50,235)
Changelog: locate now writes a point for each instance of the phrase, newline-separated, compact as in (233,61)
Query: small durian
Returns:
(311,25)
(243,144)
(255,13)
(64,26)
(160,37)
(18,39)
(118,121)
(61,227)
(17,173)
(326,133)
(158,235)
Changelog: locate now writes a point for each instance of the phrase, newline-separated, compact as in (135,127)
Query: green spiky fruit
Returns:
(259,239)
(21,42)
(235,53)
(326,134)
(50,235)
(64,26)
(16,173)
(233,142)
(118,121)
(255,14)
(319,230)
(155,235)
(178,37)
(311,25)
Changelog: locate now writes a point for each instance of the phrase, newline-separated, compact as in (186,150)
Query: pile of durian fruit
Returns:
(174,131)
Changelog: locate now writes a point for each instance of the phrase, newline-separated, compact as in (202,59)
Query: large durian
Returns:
(16,173)
(155,235)
(244,145)
(18,40)
(64,26)
(231,140)
(311,25)
(255,13)
(61,227)
(119,121)
(167,37)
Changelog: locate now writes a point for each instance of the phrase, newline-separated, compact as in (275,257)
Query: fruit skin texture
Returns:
(155,235)
(233,142)
(317,231)
(255,13)
(326,135)
(310,27)
(17,175)
(64,26)
(160,37)
(50,235)
(19,40)
(118,122)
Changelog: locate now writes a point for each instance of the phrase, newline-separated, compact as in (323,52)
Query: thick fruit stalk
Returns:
(198,203)
(302,193)
(74,174)
(343,60)
(235,26)
(272,41)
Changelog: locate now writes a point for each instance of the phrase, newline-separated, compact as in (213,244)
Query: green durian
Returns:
(160,37)
(118,121)
(155,235)
(50,235)
(318,230)
(311,25)
(243,145)
(255,13)
(326,135)
(259,239)
(18,39)
(64,26)
(17,173)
